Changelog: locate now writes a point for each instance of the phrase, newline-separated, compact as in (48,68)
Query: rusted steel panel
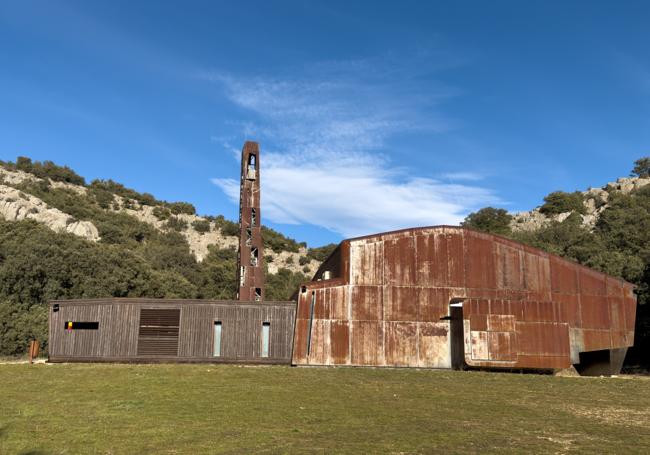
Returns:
(595,340)
(456,258)
(537,274)
(400,303)
(319,353)
(399,261)
(629,305)
(433,345)
(523,308)
(432,260)
(433,303)
(616,313)
(564,276)
(339,298)
(478,322)
(499,306)
(480,262)
(569,307)
(500,323)
(367,343)
(592,282)
(367,303)
(340,342)
(502,346)
(300,338)
(480,349)
(322,303)
(509,267)
(594,312)
(543,339)
(401,343)
(367,263)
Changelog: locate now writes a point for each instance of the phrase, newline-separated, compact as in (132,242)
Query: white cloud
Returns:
(335,169)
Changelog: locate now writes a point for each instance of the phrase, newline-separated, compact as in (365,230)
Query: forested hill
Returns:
(61,238)
(605,228)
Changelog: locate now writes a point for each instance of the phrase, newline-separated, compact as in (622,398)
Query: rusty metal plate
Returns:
(367,303)
(401,343)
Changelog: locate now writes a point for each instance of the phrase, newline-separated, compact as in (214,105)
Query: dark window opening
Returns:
(55,308)
(249,236)
(253,217)
(254,257)
(71,325)
(251,161)
(258,294)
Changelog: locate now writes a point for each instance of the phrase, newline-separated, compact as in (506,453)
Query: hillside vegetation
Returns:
(607,229)
(62,238)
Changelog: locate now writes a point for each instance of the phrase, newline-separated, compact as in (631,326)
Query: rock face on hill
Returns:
(595,202)
(17,204)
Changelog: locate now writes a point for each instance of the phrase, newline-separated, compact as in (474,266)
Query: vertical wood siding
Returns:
(119,327)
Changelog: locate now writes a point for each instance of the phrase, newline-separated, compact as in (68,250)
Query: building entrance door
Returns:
(456,335)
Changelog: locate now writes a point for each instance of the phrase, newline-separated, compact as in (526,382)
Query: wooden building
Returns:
(157,330)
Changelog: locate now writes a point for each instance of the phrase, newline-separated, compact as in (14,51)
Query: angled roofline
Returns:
(474,231)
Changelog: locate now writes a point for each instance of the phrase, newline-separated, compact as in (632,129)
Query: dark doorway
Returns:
(456,336)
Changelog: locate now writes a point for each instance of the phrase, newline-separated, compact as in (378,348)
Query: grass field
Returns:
(196,409)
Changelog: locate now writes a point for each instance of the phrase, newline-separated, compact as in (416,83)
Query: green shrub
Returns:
(178,208)
(201,226)
(561,202)
(102,197)
(322,252)
(284,284)
(161,213)
(227,227)
(46,170)
(489,219)
(176,224)
(642,167)
(302,260)
(278,242)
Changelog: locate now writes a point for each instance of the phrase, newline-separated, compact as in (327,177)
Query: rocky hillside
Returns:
(594,200)
(19,200)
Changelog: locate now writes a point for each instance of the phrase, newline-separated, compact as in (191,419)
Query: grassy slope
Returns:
(193,409)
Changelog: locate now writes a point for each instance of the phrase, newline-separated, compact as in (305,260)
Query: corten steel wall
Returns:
(250,271)
(117,337)
(389,293)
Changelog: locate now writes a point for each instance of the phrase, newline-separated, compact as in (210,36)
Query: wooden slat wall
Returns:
(119,321)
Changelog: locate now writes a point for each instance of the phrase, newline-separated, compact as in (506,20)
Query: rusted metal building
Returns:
(449,297)
(157,330)
(250,255)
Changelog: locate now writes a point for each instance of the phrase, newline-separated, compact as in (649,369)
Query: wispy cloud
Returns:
(325,155)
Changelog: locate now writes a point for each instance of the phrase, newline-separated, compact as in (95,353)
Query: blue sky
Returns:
(371,115)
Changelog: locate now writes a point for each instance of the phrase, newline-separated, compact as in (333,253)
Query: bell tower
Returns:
(250,258)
